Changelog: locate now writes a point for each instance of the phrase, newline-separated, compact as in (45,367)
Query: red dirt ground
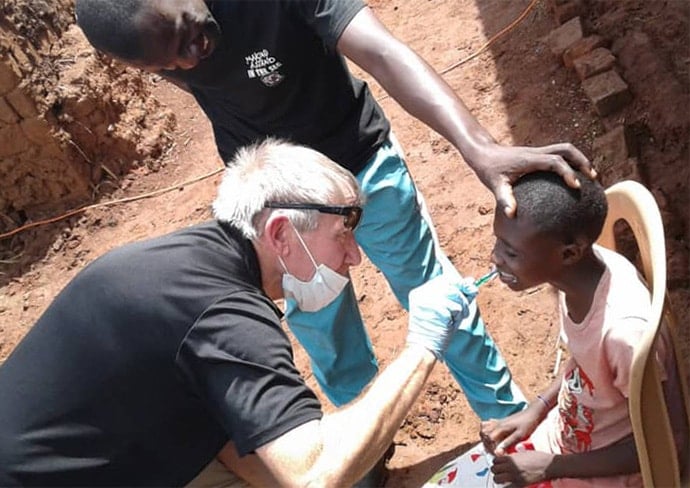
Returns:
(522,95)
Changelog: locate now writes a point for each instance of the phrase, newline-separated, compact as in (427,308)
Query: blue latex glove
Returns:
(436,309)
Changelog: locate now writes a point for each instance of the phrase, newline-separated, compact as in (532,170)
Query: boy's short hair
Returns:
(559,210)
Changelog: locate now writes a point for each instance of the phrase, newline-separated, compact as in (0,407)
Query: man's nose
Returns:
(354,255)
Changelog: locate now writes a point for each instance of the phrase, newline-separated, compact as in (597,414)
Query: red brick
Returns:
(12,141)
(37,130)
(596,62)
(7,113)
(564,36)
(582,47)
(622,170)
(611,148)
(21,103)
(678,267)
(607,91)
(569,10)
(10,75)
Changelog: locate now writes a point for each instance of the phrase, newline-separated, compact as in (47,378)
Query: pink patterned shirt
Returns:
(592,409)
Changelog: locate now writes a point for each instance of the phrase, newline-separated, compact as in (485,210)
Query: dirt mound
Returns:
(68,117)
(650,41)
(520,92)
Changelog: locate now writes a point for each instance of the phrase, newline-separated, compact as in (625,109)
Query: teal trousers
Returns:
(398,237)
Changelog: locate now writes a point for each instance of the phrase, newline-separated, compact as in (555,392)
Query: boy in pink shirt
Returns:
(579,426)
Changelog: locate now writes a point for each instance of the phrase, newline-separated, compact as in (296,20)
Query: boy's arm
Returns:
(549,397)
(617,459)
(534,466)
(499,434)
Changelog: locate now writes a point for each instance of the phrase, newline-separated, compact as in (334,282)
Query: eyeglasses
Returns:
(352,213)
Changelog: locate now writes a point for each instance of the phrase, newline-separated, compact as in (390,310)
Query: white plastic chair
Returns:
(633,203)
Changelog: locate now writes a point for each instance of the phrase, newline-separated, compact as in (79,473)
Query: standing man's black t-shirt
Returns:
(276,72)
(146,364)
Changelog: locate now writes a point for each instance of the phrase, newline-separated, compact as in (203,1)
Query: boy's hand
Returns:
(522,468)
(499,435)
(436,309)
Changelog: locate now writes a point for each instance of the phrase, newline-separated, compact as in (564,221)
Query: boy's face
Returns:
(524,257)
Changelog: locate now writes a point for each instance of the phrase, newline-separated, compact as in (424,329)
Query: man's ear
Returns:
(573,252)
(276,234)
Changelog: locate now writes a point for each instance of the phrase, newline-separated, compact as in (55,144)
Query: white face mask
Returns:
(319,291)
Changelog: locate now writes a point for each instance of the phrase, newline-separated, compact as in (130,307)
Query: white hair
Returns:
(278,171)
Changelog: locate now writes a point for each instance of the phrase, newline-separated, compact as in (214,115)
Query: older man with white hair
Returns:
(163,353)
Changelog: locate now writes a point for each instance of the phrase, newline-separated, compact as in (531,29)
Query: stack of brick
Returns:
(595,66)
(59,116)
(26,143)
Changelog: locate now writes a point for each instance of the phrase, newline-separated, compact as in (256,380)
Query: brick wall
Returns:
(68,117)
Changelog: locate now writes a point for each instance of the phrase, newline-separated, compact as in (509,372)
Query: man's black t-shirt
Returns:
(146,364)
(276,72)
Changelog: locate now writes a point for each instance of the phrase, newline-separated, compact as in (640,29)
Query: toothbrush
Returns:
(486,278)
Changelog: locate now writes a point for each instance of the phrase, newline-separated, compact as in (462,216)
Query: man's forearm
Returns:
(343,446)
(426,96)
(358,435)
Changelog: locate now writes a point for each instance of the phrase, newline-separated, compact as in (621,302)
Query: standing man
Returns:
(162,352)
(276,68)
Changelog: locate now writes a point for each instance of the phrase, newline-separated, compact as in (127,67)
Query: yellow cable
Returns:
(108,203)
(486,45)
(493,39)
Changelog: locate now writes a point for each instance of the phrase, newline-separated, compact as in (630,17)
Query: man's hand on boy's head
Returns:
(498,167)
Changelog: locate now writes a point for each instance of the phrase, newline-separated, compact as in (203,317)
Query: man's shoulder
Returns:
(328,18)
(170,241)
(191,252)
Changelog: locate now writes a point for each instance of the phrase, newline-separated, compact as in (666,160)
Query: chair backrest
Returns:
(633,203)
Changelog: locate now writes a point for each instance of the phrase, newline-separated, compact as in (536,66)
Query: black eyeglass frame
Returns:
(352,213)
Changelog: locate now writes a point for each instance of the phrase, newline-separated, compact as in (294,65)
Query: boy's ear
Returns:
(573,252)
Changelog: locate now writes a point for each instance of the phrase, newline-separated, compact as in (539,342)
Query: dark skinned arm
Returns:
(617,459)
(425,95)
(524,468)
(499,434)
